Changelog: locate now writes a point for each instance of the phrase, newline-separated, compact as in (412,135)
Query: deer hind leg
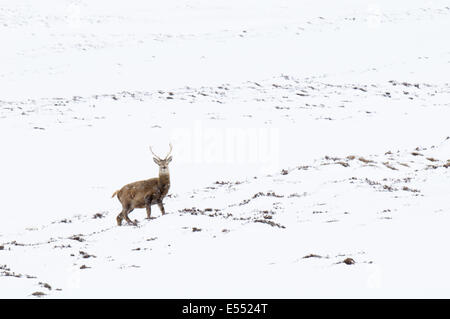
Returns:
(125,215)
(161,207)
(120,217)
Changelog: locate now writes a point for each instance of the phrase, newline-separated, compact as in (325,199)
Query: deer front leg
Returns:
(148,206)
(149,211)
(161,207)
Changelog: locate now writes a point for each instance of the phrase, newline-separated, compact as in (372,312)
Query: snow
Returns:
(303,133)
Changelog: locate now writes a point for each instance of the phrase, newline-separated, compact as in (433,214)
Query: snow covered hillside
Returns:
(311,149)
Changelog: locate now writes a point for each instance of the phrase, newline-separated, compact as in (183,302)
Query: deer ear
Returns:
(156,160)
(169,160)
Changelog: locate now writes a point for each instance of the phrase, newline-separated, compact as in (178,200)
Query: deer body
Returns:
(144,194)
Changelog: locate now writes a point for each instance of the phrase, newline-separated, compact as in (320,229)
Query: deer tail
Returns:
(115,193)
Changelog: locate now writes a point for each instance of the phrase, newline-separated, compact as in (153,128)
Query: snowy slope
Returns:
(311,148)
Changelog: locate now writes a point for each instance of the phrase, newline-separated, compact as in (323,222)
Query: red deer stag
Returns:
(145,193)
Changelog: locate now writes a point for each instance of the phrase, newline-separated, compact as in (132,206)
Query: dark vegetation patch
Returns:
(272,194)
(15,243)
(269,222)
(371,182)
(77,238)
(366,161)
(388,165)
(192,211)
(348,261)
(211,212)
(227,183)
(406,188)
(45,285)
(312,256)
(329,158)
(86,255)
(389,188)
(222,183)
(244,202)
(98,216)
(62,246)
(6,272)
(297,195)
(63,221)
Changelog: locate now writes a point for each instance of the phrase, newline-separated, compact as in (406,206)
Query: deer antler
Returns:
(154,154)
(167,156)
(170,151)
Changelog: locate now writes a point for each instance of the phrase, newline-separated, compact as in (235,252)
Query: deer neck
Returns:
(164,179)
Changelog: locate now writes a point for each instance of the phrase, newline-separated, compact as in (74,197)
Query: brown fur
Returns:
(144,194)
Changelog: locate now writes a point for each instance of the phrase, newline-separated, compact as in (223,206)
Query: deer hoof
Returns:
(134,222)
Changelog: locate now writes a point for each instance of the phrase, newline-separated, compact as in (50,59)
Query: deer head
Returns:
(162,163)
